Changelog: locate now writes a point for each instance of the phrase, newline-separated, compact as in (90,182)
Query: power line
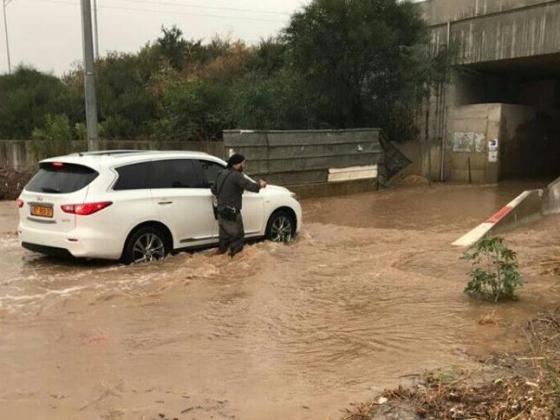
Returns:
(198,6)
(190,14)
(137,9)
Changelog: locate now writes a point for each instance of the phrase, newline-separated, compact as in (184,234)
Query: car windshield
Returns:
(60,178)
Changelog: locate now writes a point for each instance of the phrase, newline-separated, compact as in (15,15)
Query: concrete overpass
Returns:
(499,117)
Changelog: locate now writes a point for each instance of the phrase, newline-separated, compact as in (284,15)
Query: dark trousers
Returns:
(232,235)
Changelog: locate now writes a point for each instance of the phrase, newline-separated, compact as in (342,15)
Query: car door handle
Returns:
(164,203)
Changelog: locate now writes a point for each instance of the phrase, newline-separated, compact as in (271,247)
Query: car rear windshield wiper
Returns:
(50,190)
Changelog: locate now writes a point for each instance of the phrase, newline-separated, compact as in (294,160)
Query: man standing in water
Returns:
(228,189)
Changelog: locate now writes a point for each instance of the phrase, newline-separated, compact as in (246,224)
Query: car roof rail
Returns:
(110,152)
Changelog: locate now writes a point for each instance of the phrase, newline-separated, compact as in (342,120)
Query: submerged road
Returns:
(369,294)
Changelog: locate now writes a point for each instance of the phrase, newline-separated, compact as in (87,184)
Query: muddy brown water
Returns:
(369,295)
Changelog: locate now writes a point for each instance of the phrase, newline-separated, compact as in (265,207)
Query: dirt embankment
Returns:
(12,182)
(521,386)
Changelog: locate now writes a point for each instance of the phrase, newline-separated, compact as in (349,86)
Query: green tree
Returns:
(54,137)
(192,110)
(272,101)
(173,47)
(126,106)
(363,62)
(28,96)
(268,58)
(338,64)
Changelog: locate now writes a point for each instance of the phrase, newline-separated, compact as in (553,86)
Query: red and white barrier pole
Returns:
(481,230)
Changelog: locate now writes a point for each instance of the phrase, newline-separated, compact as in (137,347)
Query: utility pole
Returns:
(4,5)
(89,78)
(95,25)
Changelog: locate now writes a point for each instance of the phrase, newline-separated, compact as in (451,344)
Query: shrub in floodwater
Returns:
(495,272)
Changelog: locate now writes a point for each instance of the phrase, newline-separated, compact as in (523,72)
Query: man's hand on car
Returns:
(262,183)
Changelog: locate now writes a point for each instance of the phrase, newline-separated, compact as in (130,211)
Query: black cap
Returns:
(235,159)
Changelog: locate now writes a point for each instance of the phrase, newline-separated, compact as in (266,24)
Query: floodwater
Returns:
(369,295)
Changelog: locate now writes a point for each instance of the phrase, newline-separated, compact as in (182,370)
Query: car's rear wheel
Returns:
(145,245)
(281,227)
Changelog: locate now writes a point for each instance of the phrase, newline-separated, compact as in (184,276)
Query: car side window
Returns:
(133,177)
(211,171)
(175,173)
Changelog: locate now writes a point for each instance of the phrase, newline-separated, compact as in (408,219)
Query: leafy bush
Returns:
(192,110)
(27,97)
(54,138)
(267,103)
(495,272)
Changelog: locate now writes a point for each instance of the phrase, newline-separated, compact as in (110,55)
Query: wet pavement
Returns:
(368,295)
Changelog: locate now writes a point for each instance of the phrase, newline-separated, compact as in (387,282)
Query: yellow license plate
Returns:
(41,211)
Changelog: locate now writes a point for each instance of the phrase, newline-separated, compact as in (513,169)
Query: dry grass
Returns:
(528,389)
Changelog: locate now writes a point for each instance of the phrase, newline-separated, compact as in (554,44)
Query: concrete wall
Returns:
(527,146)
(491,30)
(304,157)
(509,52)
(20,154)
(464,164)
(507,35)
(442,11)
(299,159)
(425,158)
(551,199)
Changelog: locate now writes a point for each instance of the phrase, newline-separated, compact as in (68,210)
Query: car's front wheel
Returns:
(144,245)
(281,227)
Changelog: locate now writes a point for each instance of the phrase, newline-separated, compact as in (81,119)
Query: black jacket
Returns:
(229,187)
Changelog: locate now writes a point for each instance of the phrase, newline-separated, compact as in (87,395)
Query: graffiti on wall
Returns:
(468,142)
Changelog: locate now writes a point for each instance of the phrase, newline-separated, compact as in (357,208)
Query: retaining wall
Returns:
(491,30)
(310,162)
(20,154)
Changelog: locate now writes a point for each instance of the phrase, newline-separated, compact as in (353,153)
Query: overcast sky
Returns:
(47,33)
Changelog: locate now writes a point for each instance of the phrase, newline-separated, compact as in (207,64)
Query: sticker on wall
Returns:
(493,150)
(468,142)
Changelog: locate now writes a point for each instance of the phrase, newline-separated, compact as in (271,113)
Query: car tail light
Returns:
(58,164)
(85,209)
(19,203)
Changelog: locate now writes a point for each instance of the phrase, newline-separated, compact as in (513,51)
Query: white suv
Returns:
(138,206)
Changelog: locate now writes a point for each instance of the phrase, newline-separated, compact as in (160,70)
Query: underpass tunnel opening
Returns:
(523,98)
